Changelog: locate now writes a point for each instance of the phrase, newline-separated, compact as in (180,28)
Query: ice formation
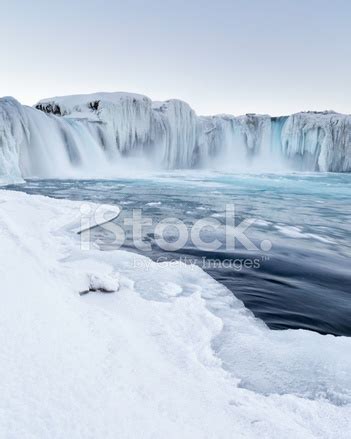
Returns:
(171,353)
(92,135)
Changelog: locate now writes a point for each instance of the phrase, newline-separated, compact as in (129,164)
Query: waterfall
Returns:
(14,132)
(96,135)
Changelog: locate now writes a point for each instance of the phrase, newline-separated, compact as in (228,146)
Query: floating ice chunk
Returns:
(156,203)
(291,231)
(261,222)
(296,232)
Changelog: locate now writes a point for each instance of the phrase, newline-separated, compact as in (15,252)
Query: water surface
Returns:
(303,281)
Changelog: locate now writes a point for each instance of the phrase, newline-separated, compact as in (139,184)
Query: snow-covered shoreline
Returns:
(171,353)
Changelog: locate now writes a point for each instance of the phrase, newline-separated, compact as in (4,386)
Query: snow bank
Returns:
(171,353)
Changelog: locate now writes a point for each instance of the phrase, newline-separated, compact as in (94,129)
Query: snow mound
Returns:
(106,284)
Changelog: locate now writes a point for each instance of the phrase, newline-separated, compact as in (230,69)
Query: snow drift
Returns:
(170,353)
(93,135)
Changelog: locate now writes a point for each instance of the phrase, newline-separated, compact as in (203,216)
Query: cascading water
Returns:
(14,133)
(93,135)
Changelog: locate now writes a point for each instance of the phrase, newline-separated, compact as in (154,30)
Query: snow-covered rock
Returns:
(106,284)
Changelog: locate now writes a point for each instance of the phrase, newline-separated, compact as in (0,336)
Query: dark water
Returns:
(303,281)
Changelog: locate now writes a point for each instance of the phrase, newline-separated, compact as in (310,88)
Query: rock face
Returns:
(91,135)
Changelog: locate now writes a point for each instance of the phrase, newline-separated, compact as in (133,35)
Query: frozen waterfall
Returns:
(97,135)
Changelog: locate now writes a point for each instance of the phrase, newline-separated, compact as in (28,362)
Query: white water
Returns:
(93,135)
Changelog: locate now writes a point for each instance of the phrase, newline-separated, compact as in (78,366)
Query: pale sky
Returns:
(258,56)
